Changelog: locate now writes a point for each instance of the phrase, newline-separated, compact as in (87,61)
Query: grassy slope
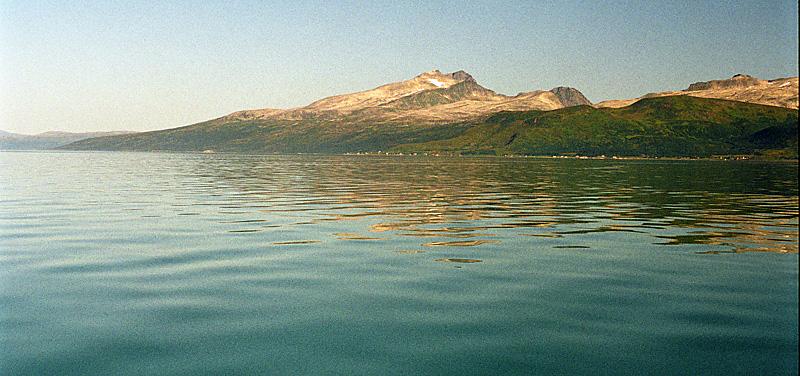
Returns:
(666,126)
(310,136)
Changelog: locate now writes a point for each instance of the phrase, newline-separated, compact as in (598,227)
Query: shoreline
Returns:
(429,154)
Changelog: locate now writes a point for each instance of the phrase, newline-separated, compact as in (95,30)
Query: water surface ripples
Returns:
(152,263)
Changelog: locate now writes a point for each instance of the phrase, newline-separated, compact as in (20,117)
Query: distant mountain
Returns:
(780,92)
(438,112)
(570,97)
(4,134)
(431,97)
(46,140)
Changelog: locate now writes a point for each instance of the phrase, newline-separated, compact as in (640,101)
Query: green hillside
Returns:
(271,136)
(664,126)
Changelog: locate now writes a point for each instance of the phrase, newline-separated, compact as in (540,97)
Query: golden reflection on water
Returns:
(295,242)
(463,243)
(353,236)
(459,260)
(738,206)
(410,251)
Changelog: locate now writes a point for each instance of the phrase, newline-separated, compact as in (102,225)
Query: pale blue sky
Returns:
(129,65)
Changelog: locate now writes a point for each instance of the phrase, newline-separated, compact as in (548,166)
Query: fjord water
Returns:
(148,263)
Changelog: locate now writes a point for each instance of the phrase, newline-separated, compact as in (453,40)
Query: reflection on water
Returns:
(296,242)
(461,260)
(189,263)
(352,236)
(410,251)
(744,207)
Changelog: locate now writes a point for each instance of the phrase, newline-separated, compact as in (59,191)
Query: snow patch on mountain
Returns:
(436,82)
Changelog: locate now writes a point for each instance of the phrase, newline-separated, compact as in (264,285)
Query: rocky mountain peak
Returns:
(738,80)
(457,76)
(570,96)
(461,76)
(433,73)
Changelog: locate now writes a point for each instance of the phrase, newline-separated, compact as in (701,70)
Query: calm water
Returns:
(137,263)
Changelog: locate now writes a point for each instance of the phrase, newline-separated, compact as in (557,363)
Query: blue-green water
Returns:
(139,263)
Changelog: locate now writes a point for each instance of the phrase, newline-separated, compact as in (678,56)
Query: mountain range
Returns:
(451,112)
(47,140)
(781,92)
(430,97)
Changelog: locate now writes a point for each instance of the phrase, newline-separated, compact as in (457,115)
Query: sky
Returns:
(129,65)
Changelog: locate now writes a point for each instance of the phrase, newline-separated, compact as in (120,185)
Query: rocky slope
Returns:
(781,92)
(431,97)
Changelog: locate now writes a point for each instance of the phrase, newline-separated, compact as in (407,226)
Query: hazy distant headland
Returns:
(47,140)
(452,113)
